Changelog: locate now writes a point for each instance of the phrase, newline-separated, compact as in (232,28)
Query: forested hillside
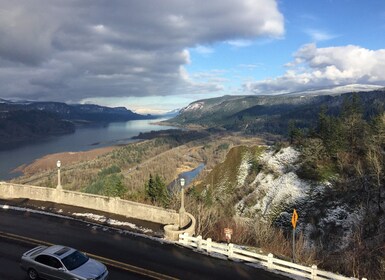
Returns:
(19,126)
(271,114)
(332,173)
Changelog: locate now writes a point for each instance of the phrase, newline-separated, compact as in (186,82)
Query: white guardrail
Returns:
(269,261)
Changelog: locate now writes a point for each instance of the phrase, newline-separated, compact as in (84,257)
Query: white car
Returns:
(61,262)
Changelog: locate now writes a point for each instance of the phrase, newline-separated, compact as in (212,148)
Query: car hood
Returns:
(91,269)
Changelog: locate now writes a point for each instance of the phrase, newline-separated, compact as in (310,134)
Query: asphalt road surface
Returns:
(126,256)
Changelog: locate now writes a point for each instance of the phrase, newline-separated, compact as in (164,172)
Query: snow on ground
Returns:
(89,216)
(344,218)
(243,169)
(112,222)
(279,162)
(194,106)
(276,185)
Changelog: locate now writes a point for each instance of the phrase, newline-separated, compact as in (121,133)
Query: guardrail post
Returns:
(184,240)
(208,249)
(270,258)
(230,250)
(313,272)
(199,243)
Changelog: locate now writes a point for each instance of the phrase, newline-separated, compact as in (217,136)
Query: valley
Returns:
(260,124)
(252,182)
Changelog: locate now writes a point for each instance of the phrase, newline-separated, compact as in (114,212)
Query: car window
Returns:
(74,260)
(48,260)
(55,263)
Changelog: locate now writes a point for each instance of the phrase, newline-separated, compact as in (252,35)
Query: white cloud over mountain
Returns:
(316,68)
(73,50)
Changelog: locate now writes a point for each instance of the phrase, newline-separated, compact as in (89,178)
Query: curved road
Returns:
(126,256)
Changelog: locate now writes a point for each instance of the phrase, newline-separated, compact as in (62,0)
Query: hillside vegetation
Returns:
(333,174)
(125,171)
(254,115)
(21,126)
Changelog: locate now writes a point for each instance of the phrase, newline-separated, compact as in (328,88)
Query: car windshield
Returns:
(74,260)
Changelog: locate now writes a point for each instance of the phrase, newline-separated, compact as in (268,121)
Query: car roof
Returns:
(58,251)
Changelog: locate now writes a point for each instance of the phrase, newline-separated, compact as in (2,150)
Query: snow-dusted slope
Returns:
(275,186)
(277,189)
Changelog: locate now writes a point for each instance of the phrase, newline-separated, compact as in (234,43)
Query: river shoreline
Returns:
(85,138)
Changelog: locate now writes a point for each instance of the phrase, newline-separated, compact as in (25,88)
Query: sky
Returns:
(153,56)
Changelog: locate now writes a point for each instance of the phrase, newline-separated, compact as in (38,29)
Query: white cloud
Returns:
(316,68)
(250,66)
(203,50)
(319,35)
(240,43)
(71,50)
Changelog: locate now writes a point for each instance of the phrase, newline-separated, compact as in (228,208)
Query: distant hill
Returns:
(83,112)
(270,113)
(25,121)
(19,126)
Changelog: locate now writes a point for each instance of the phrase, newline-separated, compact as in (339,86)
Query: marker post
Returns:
(294,219)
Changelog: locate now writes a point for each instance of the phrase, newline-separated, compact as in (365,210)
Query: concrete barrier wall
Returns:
(102,203)
(171,232)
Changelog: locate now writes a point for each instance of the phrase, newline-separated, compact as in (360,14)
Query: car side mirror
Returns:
(61,269)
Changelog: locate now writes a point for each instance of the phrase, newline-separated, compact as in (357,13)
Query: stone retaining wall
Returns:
(102,203)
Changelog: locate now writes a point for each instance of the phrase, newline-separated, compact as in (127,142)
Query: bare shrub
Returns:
(361,259)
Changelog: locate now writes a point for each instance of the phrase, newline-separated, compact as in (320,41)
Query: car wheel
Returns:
(32,274)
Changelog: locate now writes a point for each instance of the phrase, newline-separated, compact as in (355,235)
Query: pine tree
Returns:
(355,128)
(150,189)
(296,134)
(157,191)
(331,132)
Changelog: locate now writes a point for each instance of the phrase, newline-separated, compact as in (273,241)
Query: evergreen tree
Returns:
(163,195)
(331,132)
(355,127)
(296,134)
(113,186)
(157,191)
(375,158)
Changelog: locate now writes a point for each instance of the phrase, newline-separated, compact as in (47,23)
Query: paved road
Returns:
(127,256)
(11,251)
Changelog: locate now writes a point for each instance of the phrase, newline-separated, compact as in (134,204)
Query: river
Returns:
(83,139)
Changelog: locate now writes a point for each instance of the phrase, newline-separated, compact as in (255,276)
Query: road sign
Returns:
(228,233)
(294,218)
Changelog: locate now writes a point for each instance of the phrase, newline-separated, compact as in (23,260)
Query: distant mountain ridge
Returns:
(270,113)
(25,121)
(84,112)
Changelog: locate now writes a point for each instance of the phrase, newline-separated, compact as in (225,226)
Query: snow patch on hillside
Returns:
(244,169)
(193,107)
(281,161)
(276,185)
(343,218)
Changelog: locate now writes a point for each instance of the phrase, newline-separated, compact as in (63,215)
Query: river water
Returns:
(83,139)
(188,176)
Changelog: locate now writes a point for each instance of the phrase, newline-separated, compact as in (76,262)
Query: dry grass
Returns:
(48,162)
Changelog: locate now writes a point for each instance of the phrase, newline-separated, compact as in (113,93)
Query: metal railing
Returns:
(232,252)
